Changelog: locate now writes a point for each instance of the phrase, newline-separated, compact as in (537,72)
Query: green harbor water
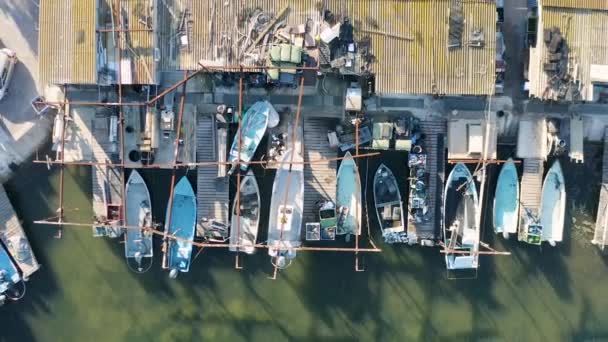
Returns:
(84,290)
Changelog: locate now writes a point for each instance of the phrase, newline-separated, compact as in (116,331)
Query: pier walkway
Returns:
(601,223)
(212,183)
(531,185)
(319,178)
(13,237)
(434,147)
(106,180)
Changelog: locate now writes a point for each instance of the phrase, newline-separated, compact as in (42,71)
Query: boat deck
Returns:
(601,223)
(531,185)
(286,125)
(319,178)
(13,237)
(434,147)
(212,184)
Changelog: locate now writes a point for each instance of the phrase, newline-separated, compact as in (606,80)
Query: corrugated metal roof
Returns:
(424,65)
(138,46)
(580,4)
(585,34)
(66,42)
(215,23)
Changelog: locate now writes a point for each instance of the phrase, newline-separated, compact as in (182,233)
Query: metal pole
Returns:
(215,245)
(293,152)
(209,164)
(175,154)
(238,175)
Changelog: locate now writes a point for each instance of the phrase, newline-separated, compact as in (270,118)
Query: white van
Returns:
(8,59)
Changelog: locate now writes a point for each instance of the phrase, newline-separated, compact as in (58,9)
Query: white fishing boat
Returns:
(506,200)
(285,218)
(253,127)
(182,225)
(348,197)
(245,221)
(389,207)
(553,205)
(460,227)
(138,242)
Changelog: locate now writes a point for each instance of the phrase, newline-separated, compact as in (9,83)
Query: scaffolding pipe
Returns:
(189,165)
(213,245)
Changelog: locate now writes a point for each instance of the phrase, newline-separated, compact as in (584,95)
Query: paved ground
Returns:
(21,131)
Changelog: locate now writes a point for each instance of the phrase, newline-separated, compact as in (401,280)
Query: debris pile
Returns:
(271,40)
(560,67)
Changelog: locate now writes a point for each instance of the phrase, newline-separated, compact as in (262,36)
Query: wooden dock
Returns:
(601,223)
(14,239)
(434,147)
(319,178)
(106,180)
(212,184)
(531,185)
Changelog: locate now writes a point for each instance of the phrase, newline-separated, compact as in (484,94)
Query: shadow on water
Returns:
(33,197)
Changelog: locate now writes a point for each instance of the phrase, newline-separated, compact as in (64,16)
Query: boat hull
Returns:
(460,219)
(348,197)
(252,130)
(286,207)
(7,266)
(506,200)
(244,227)
(182,225)
(553,205)
(388,203)
(138,243)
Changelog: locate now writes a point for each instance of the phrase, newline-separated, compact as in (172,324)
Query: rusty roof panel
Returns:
(585,35)
(578,4)
(66,42)
(138,46)
(422,65)
(425,65)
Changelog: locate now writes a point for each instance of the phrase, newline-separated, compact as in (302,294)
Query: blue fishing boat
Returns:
(553,205)
(461,231)
(9,278)
(389,207)
(245,222)
(182,226)
(285,218)
(252,130)
(348,197)
(506,200)
(138,242)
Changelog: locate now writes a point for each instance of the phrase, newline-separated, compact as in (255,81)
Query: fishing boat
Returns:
(460,224)
(138,242)
(245,221)
(506,200)
(252,130)
(553,205)
(182,225)
(389,207)
(348,198)
(286,208)
(9,278)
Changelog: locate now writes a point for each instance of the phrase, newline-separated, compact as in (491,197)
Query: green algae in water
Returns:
(85,291)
